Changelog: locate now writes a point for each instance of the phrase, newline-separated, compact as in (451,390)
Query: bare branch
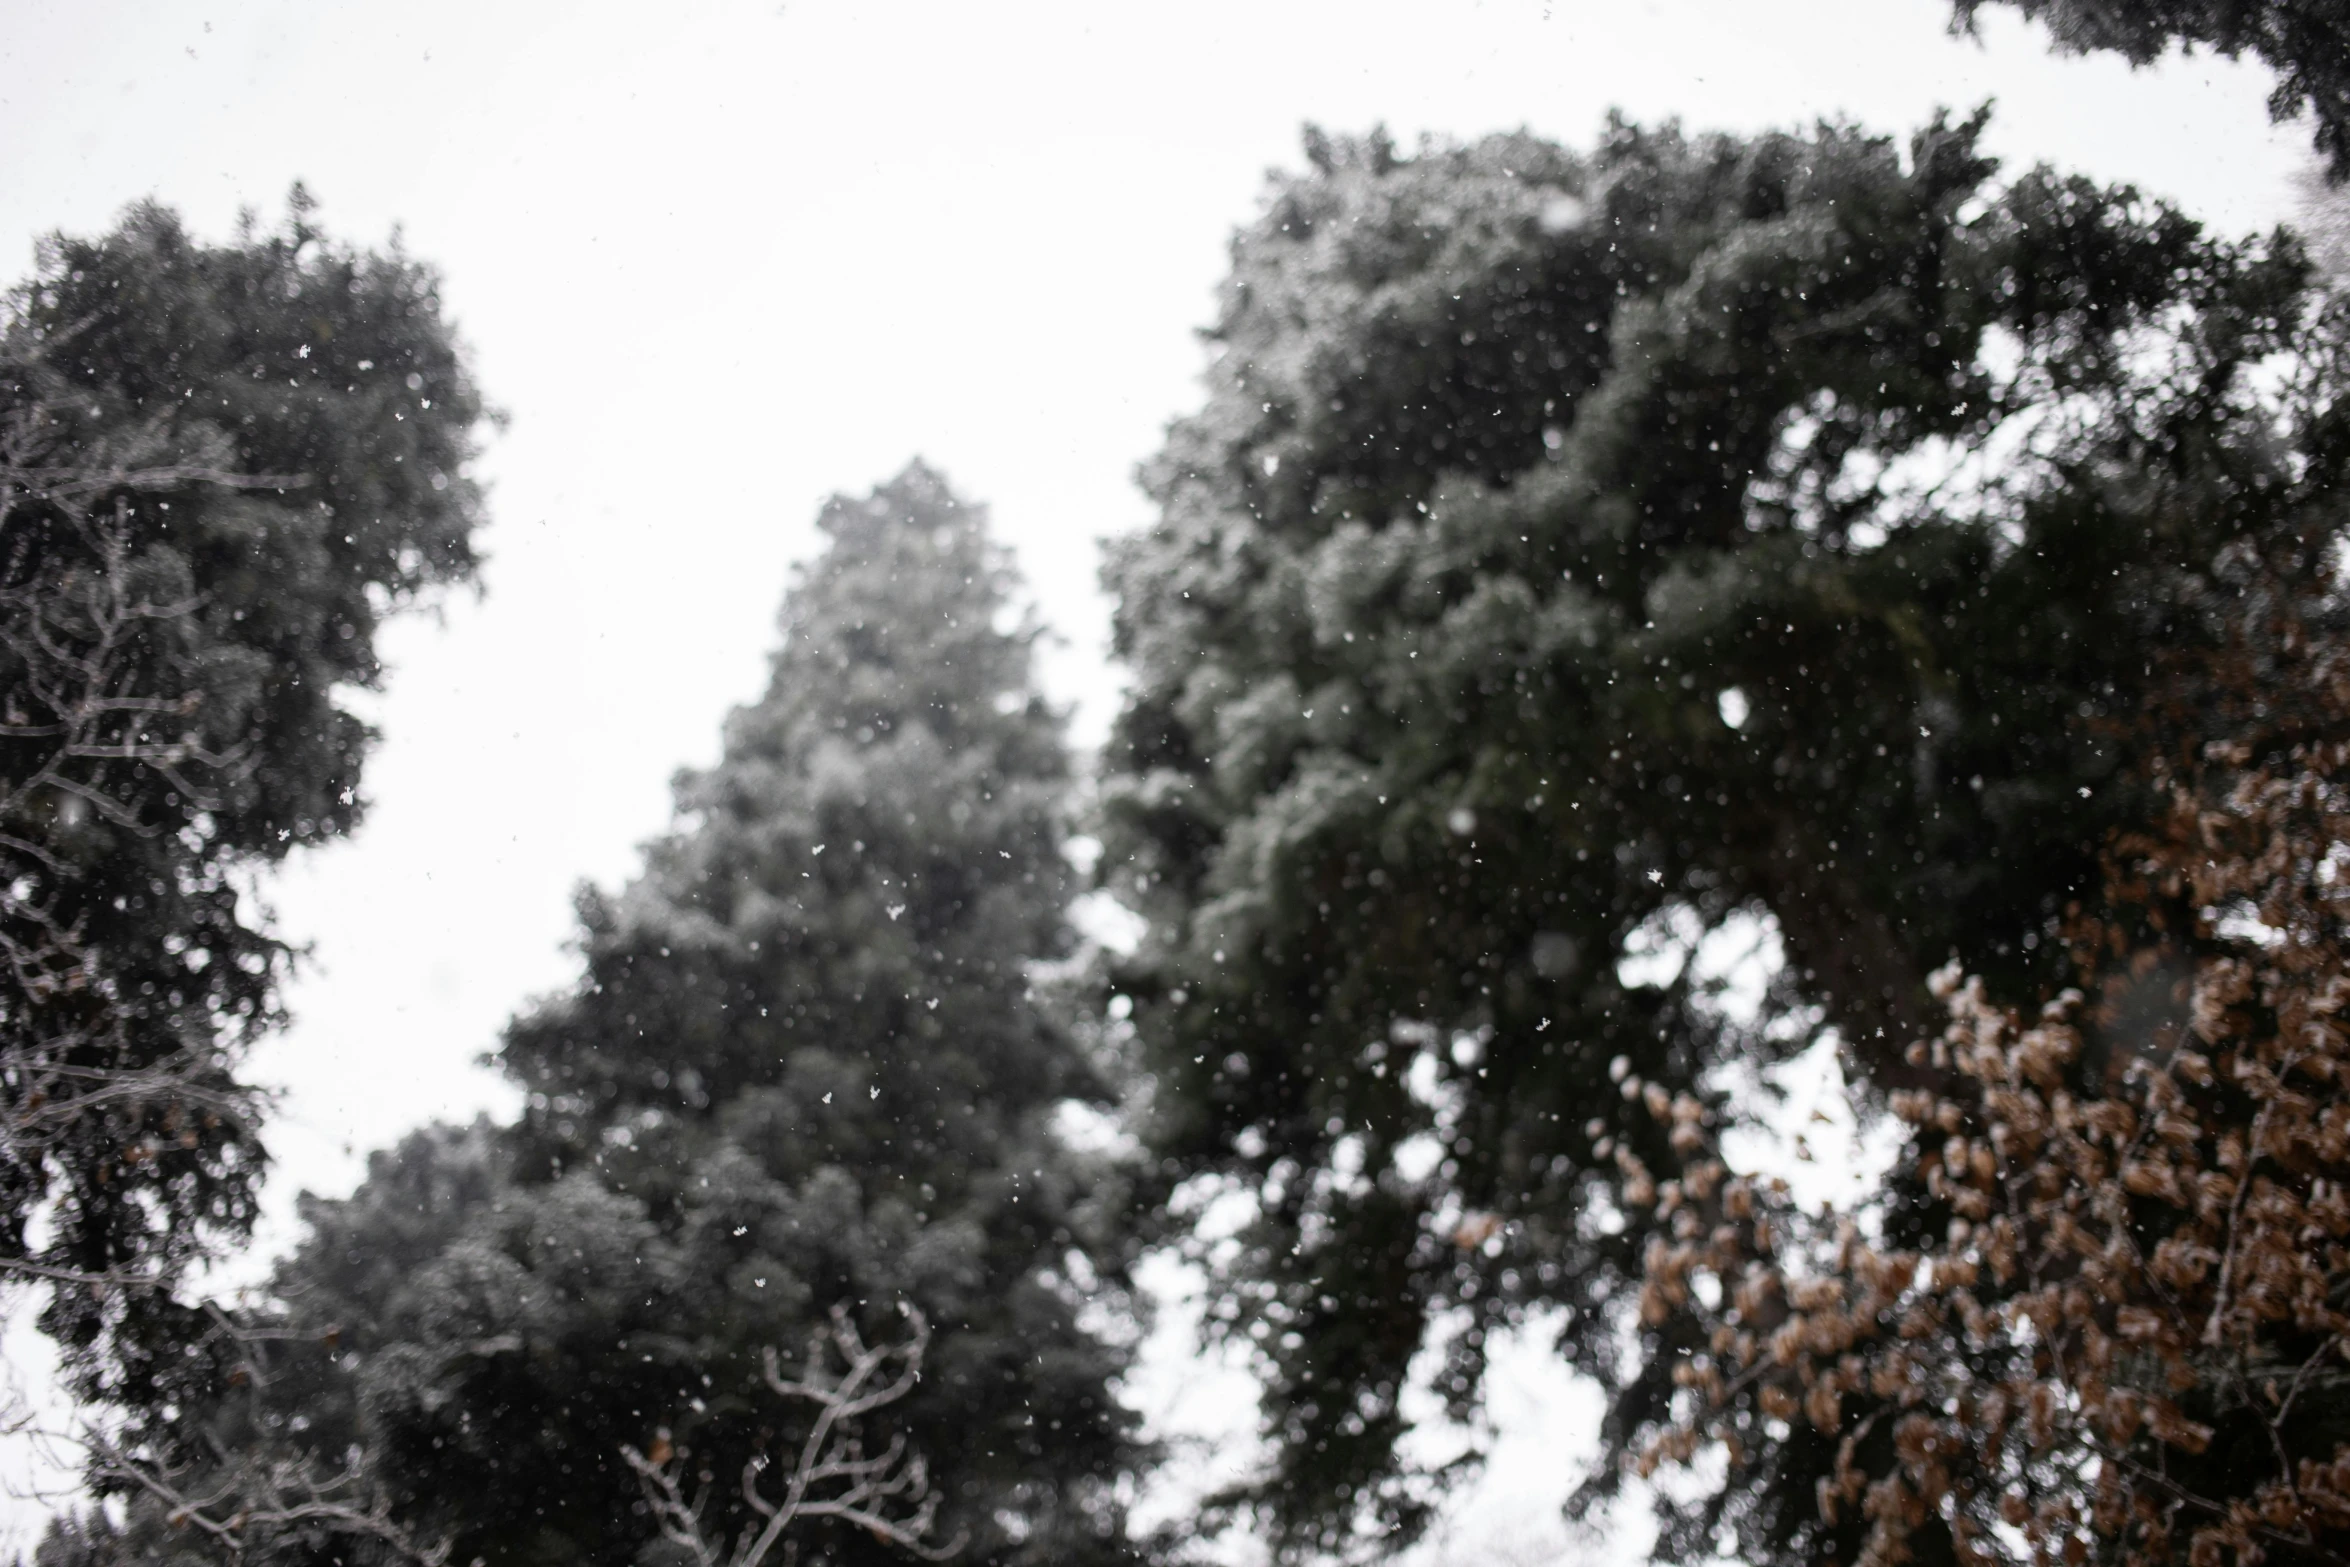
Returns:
(250,1499)
(888,1494)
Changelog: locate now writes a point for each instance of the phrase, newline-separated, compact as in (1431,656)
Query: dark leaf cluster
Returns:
(2305,42)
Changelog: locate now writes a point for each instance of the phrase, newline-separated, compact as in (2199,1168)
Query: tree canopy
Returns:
(221,467)
(1578,554)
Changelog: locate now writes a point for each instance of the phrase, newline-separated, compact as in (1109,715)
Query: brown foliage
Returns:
(2107,1314)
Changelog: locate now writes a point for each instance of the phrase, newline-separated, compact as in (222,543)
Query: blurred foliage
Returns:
(220,468)
(2306,43)
(1578,555)
(2108,1314)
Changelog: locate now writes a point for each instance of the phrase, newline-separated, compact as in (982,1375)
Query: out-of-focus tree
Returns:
(2106,1313)
(2324,219)
(1578,555)
(221,466)
(2305,42)
(805,1072)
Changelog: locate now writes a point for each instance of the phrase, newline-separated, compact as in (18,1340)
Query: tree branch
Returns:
(888,1494)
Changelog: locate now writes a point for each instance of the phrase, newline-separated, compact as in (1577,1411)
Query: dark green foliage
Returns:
(1520,476)
(82,1539)
(863,880)
(220,468)
(804,1067)
(2305,42)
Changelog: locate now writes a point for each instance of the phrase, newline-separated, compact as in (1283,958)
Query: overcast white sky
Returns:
(719,258)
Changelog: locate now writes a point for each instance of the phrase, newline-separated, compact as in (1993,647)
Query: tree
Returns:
(2306,42)
(804,1081)
(2103,1312)
(1576,556)
(220,468)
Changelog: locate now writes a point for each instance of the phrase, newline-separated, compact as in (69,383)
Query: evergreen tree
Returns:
(220,468)
(804,1069)
(1578,555)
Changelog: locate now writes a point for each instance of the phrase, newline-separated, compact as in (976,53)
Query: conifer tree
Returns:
(804,1070)
(1577,555)
(221,468)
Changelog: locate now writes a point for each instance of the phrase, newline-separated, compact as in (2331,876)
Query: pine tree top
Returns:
(857,889)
